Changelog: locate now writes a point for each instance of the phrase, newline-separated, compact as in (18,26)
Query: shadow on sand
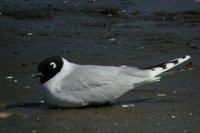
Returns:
(45,106)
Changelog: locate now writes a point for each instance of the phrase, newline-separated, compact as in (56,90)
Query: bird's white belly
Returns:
(54,98)
(80,99)
(77,96)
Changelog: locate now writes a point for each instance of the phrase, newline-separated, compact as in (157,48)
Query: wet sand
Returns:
(117,32)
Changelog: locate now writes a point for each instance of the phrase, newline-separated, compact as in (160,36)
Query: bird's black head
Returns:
(49,67)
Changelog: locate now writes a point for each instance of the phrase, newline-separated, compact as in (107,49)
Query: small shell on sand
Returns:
(161,95)
(9,77)
(127,105)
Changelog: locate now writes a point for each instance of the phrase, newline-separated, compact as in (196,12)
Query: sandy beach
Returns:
(117,32)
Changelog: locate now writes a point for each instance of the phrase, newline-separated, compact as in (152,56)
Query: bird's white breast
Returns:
(50,90)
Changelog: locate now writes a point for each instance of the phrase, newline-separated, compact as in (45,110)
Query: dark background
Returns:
(116,32)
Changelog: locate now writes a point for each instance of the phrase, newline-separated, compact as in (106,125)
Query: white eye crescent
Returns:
(53,64)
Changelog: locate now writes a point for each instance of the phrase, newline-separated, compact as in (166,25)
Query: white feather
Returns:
(81,85)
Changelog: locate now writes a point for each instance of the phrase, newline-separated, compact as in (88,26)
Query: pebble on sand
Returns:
(38,119)
(34,131)
(161,95)
(41,101)
(173,116)
(27,87)
(29,34)
(5,115)
(9,77)
(15,81)
(127,105)
(112,39)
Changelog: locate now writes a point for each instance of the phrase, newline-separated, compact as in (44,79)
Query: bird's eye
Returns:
(53,64)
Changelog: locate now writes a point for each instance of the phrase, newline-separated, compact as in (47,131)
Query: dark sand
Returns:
(116,32)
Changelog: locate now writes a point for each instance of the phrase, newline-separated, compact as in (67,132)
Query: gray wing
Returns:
(101,83)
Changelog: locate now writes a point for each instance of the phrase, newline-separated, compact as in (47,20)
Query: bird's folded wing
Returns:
(101,83)
(104,77)
(87,77)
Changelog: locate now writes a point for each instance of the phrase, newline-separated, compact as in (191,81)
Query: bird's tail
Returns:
(158,69)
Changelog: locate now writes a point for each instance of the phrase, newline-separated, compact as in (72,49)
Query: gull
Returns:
(65,84)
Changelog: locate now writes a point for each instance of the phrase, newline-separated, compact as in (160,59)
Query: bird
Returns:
(69,85)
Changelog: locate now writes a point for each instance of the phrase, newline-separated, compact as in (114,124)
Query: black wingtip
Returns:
(175,62)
